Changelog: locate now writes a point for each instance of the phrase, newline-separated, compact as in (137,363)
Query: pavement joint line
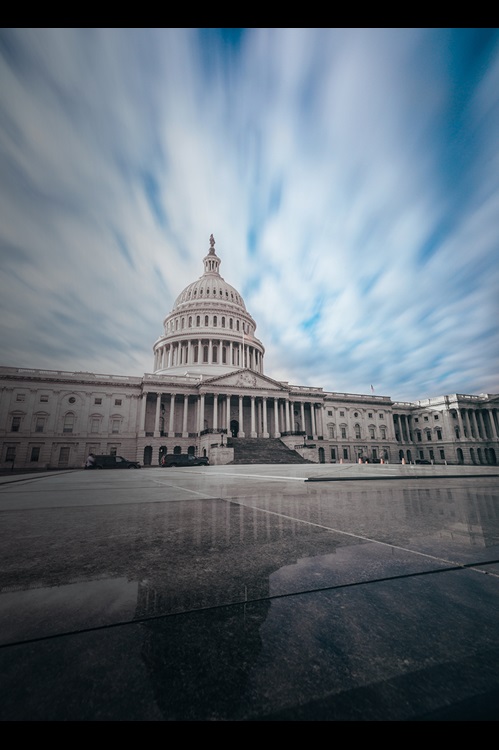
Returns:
(243,602)
(256,476)
(184,489)
(373,477)
(356,536)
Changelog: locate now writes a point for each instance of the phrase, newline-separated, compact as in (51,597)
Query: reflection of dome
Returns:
(209,331)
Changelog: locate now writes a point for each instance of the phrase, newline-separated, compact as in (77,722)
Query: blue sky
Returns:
(350,177)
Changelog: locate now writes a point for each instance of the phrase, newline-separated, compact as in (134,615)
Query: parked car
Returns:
(115,462)
(184,459)
(422,461)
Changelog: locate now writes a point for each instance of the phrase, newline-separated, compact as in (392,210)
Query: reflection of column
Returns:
(265,429)
(241,425)
(312,415)
(184,424)
(253,428)
(215,411)
(157,415)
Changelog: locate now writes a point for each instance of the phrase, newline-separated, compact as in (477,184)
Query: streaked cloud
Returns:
(350,177)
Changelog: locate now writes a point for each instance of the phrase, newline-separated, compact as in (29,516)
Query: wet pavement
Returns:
(250,593)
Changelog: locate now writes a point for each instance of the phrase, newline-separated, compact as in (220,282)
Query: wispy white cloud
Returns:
(350,178)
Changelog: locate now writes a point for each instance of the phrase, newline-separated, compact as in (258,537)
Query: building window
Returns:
(357,431)
(35,453)
(343,433)
(435,416)
(381,415)
(98,401)
(425,419)
(10,455)
(230,322)
(383,433)
(223,322)
(333,454)
(214,321)
(370,415)
(342,413)
(71,399)
(330,429)
(94,425)
(39,424)
(21,397)
(330,413)
(44,397)
(428,435)
(355,414)
(237,325)
(416,419)
(418,436)
(432,455)
(372,433)
(16,423)
(439,434)
(345,453)
(442,455)
(224,355)
(190,321)
(421,454)
(206,320)
(117,401)
(115,426)
(69,421)
(214,354)
(205,354)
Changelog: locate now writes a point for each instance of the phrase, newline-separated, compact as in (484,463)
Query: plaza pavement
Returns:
(250,593)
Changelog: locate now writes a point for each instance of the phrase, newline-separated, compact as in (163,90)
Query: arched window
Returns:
(206,320)
(214,321)
(205,354)
(224,355)
(330,430)
(183,322)
(357,431)
(190,321)
(372,432)
(69,421)
(214,354)
(343,430)
(223,322)
(383,433)
(230,322)
(196,352)
(237,325)
(198,321)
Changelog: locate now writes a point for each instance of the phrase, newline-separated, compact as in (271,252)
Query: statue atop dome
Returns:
(212,245)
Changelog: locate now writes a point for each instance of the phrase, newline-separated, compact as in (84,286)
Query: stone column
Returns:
(286,415)
(143,414)
(302,414)
(264,408)
(478,417)
(241,424)
(201,412)
(312,414)
(171,423)
(189,352)
(253,427)
(276,418)
(227,413)
(215,411)
(467,422)
(157,415)
(184,421)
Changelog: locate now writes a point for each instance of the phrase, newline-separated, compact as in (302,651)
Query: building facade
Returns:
(208,387)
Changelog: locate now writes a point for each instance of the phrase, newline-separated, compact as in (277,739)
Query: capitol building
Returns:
(208,394)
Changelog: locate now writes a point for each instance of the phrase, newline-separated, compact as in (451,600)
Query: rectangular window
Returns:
(439,434)
(432,455)
(330,413)
(436,416)
(343,433)
(426,419)
(117,401)
(64,456)
(16,423)
(421,454)
(21,397)
(94,426)
(345,452)
(370,415)
(342,413)
(39,424)
(115,426)
(35,454)
(381,415)
(428,436)
(419,436)
(416,419)
(11,453)
(44,397)
(113,450)
(68,423)
(98,401)
(442,455)
(333,454)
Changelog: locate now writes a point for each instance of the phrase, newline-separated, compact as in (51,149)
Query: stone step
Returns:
(264,451)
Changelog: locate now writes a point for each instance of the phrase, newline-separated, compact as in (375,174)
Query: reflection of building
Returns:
(209,380)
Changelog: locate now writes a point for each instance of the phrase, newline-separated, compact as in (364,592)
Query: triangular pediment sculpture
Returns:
(246,379)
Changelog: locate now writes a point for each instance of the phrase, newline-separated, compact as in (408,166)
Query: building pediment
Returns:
(246,379)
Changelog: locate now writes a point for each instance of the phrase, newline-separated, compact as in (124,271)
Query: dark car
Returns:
(184,459)
(422,461)
(115,462)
